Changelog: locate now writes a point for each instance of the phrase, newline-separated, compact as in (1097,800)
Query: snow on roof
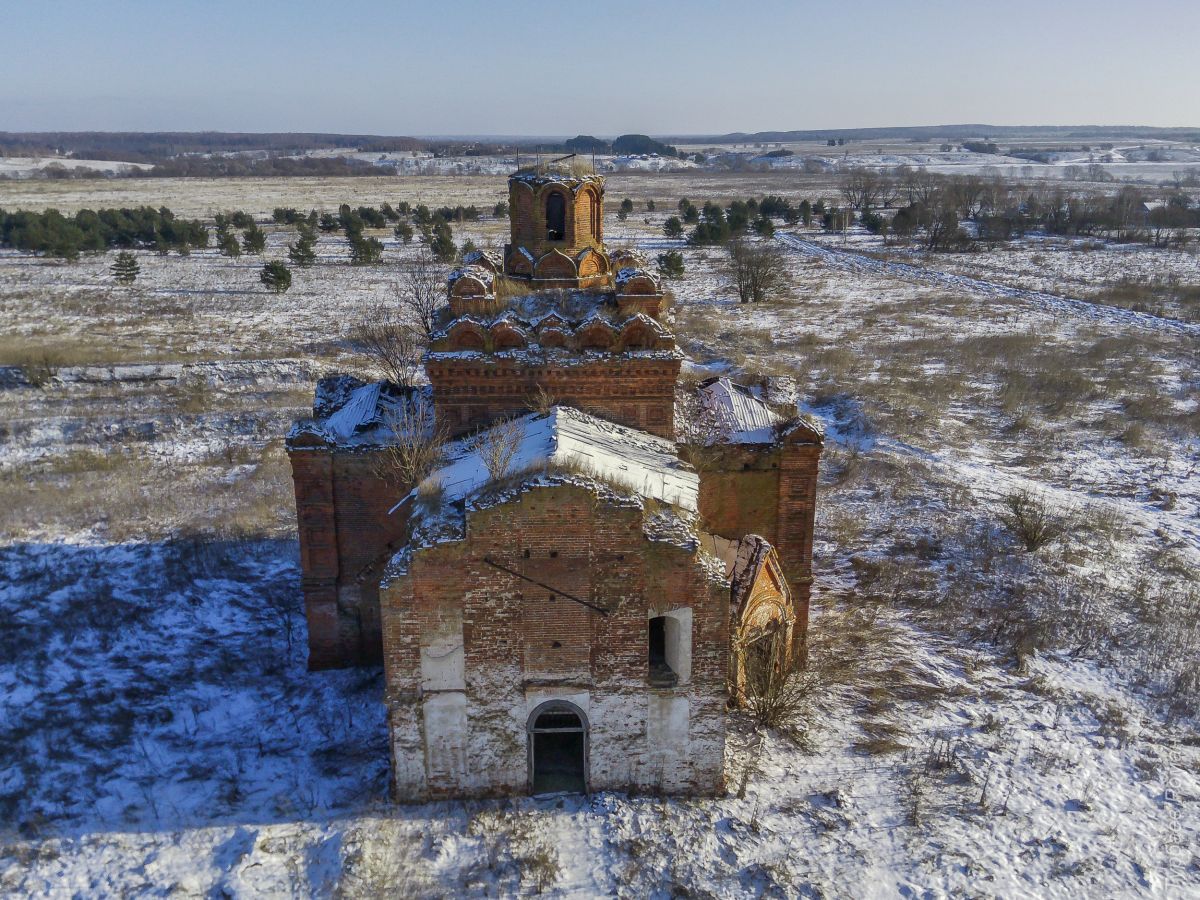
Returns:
(569,439)
(555,355)
(359,410)
(481,274)
(473,258)
(551,174)
(631,272)
(739,411)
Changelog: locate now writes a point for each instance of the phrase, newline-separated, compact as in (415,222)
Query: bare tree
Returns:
(417,441)
(498,447)
(920,186)
(699,428)
(862,188)
(422,291)
(393,342)
(757,269)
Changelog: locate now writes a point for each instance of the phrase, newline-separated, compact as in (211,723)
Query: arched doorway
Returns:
(558,733)
(763,662)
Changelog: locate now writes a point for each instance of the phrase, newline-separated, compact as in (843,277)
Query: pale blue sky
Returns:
(563,68)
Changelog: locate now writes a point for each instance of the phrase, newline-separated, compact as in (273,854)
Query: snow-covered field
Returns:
(978,720)
(31,166)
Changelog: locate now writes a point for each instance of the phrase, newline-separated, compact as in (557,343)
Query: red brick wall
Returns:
(342,504)
(527,224)
(739,491)
(629,391)
(771,492)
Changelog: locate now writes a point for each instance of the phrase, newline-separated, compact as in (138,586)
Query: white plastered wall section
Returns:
(468,734)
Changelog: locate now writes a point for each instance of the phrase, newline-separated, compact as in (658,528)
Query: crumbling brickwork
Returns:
(636,392)
(769,490)
(470,650)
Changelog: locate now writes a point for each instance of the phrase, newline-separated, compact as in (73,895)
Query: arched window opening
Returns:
(594,204)
(556,217)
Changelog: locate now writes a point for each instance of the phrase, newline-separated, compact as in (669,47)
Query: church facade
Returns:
(572,597)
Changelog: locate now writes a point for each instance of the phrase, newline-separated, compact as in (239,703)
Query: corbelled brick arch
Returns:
(507,336)
(589,214)
(641,333)
(596,334)
(467,334)
(591,263)
(555,266)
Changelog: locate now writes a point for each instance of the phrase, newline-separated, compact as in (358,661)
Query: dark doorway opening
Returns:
(557,750)
(556,217)
(661,674)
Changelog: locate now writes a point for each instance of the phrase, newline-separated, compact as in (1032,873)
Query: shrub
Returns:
(1031,520)
(756,269)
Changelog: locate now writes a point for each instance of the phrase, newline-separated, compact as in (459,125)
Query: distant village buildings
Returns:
(602,560)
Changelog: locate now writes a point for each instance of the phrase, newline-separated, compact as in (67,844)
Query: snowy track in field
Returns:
(847,261)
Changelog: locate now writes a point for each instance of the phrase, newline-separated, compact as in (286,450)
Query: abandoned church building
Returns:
(600,559)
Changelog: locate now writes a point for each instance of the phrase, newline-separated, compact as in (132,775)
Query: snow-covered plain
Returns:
(979,720)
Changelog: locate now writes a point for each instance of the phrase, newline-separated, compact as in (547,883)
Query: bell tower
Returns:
(556,227)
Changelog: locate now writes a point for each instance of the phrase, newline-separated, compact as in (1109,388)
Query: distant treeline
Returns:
(239,166)
(950,132)
(155,147)
(625,145)
(93,231)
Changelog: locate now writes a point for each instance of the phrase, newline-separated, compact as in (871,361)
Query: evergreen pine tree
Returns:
(228,244)
(126,269)
(254,240)
(673,227)
(276,276)
(404,232)
(365,251)
(670,264)
(442,244)
(302,253)
(764,227)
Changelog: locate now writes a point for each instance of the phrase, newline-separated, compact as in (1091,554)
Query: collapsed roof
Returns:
(739,415)
(349,412)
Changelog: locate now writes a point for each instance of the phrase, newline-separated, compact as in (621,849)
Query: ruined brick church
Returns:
(602,560)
